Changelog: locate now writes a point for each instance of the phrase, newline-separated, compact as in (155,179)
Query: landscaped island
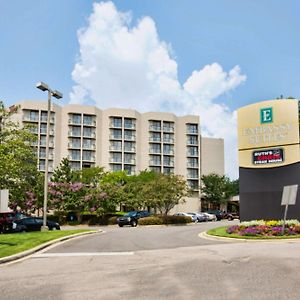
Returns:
(260,229)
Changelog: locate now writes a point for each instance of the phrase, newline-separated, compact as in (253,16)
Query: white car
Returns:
(210,217)
(193,217)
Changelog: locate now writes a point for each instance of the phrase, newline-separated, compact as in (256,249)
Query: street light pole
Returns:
(44,87)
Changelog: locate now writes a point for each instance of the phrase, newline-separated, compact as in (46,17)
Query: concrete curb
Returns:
(18,256)
(228,239)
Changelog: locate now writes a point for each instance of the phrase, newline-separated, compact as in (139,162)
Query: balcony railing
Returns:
(154,162)
(154,139)
(74,122)
(115,160)
(89,146)
(168,152)
(128,137)
(168,128)
(115,148)
(74,157)
(89,123)
(155,151)
(168,163)
(155,128)
(88,158)
(129,125)
(129,161)
(28,118)
(74,133)
(129,149)
(192,131)
(193,154)
(192,165)
(115,136)
(168,141)
(115,124)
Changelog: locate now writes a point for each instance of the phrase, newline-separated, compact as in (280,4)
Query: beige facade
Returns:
(123,139)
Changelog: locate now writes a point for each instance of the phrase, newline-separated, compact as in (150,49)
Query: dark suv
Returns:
(131,218)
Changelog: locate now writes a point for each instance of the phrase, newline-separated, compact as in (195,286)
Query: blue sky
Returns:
(39,41)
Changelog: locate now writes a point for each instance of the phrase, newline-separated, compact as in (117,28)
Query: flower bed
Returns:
(265,228)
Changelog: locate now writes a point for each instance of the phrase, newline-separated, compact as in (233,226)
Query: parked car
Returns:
(183,214)
(132,217)
(200,217)
(33,224)
(232,216)
(210,217)
(218,213)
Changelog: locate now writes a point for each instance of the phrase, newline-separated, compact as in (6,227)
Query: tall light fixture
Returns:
(44,87)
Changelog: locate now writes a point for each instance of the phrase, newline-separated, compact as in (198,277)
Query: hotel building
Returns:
(124,139)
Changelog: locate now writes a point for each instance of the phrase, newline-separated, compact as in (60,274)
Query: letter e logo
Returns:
(266,115)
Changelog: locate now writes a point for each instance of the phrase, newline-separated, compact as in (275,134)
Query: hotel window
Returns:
(75,131)
(168,170)
(130,169)
(87,120)
(75,143)
(192,128)
(192,139)
(155,137)
(87,131)
(155,148)
(168,126)
(169,149)
(116,157)
(129,123)
(169,138)
(129,146)
(192,162)
(129,158)
(155,160)
(76,119)
(88,144)
(192,151)
(86,155)
(168,161)
(155,125)
(116,122)
(33,115)
(116,134)
(192,173)
(116,168)
(155,169)
(129,135)
(116,145)
(75,154)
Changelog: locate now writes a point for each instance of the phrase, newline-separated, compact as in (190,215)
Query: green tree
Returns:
(89,176)
(217,189)
(18,161)
(166,191)
(63,173)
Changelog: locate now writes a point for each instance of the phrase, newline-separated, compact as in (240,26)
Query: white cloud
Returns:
(127,66)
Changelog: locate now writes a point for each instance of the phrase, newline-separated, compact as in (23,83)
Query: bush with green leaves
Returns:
(153,220)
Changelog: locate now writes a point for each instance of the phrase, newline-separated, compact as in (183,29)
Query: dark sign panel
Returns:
(268,156)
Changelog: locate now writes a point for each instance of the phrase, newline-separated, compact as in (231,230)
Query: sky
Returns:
(207,58)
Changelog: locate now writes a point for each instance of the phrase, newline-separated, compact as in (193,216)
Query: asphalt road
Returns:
(156,263)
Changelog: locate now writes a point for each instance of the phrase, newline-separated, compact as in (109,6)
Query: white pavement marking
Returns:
(70,254)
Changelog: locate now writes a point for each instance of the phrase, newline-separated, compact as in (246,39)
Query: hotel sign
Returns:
(269,156)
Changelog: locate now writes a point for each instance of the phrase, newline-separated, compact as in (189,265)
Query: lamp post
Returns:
(44,87)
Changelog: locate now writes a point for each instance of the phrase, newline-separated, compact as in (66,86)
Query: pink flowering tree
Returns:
(66,196)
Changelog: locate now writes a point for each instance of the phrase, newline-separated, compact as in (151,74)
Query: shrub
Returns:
(112,220)
(175,219)
(151,221)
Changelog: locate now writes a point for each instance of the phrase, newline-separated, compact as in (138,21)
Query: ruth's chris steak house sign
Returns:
(268,156)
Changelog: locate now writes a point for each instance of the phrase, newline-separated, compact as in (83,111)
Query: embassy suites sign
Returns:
(267,134)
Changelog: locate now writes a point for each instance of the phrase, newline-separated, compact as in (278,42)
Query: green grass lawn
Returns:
(221,231)
(17,242)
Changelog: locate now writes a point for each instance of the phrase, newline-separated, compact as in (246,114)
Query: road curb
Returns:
(18,256)
(229,239)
